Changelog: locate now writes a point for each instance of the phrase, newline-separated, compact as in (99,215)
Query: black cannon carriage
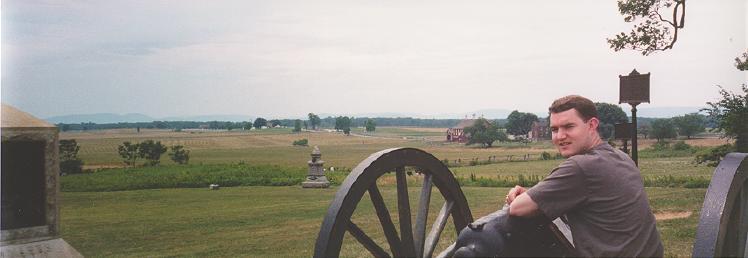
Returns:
(722,228)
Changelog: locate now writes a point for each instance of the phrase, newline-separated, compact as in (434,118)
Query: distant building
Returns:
(540,131)
(457,133)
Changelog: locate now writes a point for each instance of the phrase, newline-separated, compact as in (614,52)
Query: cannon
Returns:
(721,232)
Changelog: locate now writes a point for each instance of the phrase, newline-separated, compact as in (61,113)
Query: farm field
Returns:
(273,146)
(277,221)
(284,221)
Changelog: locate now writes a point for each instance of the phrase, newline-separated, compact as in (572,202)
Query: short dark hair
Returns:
(585,107)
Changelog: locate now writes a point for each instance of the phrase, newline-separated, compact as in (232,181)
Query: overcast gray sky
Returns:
(288,58)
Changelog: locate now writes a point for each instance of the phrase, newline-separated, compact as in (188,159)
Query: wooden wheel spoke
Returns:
(403,208)
(437,228)
(423,212)
(743,220)
(407,240)
(366,241)
(384,218)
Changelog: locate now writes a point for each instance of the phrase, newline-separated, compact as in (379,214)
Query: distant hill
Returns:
(109,118)
(100,118)
(205,118)
(105,118)
(660,112)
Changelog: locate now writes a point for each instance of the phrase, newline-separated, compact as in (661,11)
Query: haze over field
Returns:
(284,59)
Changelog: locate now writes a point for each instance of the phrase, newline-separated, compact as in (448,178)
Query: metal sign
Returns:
(634,88)
(622,131)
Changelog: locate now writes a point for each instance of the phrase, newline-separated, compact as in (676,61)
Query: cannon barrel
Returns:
(500,235)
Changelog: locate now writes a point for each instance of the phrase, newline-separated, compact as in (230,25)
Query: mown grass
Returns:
(274,221)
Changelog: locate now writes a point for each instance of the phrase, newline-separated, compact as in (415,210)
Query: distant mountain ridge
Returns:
(105,118)
(100,118)
(661,112)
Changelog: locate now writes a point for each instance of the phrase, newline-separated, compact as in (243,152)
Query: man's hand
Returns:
(521,204)
(513,193)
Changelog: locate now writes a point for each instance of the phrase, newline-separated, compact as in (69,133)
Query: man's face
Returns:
(571,134)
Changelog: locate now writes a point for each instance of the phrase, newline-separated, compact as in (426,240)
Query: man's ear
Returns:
(594,123)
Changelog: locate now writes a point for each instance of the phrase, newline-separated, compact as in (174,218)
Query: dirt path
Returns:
(668,215)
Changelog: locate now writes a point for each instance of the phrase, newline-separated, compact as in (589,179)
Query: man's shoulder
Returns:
(601,155)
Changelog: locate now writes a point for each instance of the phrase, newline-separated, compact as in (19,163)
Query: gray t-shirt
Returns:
(602,195)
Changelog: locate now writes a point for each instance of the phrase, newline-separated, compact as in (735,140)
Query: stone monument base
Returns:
(316,182)
(47,248)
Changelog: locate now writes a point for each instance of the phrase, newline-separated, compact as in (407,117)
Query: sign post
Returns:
(622,132)
(634,89)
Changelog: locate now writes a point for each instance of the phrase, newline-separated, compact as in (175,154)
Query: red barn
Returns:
(540,130)
(457,133)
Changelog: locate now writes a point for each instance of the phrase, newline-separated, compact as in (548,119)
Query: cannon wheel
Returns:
(363,179)
(723,225)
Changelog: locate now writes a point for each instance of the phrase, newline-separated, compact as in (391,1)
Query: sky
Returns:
(284,59)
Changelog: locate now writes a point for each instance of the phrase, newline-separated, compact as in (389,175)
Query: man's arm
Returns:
(523,206)
(520,204)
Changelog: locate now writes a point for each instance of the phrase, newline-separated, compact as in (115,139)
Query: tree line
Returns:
(327,122)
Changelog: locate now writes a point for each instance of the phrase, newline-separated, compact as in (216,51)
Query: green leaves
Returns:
(731,112)
(520,123)
(484,132)
(653,32)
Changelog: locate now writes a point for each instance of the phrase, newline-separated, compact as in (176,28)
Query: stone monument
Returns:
(316,177)
(30,221)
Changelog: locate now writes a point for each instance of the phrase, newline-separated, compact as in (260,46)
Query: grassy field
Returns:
(273,221)
(261,221)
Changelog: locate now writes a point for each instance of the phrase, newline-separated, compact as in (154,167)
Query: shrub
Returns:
(151,151)
(69,161)
(302,142)
(128,152)
(71,166)
(661,146)
(545,155)
(179,155)
(713,156)
(187,176)
(681,145)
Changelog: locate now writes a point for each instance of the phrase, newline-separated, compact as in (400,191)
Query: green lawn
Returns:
(271,221)
(283,221)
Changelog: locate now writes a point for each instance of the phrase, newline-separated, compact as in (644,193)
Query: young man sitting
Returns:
(597,190)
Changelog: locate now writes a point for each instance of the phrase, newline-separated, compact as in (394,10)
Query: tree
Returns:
(151,151)
(484,132)
(275,122)
(663,129)
(260,122)
(520,123)
(731,112)
(652,32)
(63,127)
(690,124)
(343,123)
(297,126)
(69,161)
(179,155)
(609,115)
(313,120)
(645,130)
(128,152)
(742,64)
(370,125)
